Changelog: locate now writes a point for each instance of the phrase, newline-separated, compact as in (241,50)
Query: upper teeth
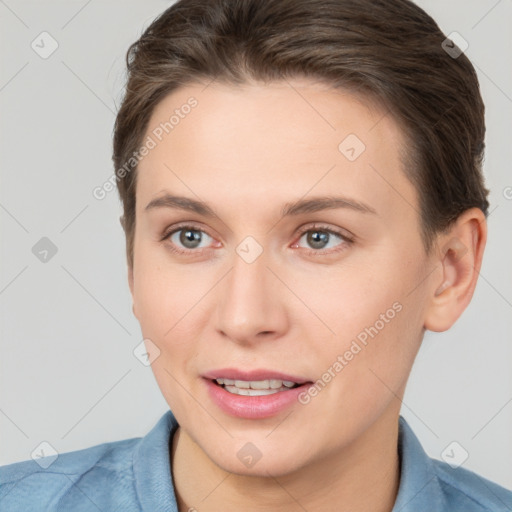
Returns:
(257,384)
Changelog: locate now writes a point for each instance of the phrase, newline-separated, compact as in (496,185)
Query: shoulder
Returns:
(464,487)
(129,475)
(56,483)
(428,484)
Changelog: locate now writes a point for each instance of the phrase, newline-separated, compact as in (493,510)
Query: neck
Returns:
(360,477)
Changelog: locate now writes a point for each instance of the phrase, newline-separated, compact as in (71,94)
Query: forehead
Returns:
(273,140)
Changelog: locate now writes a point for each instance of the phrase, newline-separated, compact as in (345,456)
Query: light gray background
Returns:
(68,374)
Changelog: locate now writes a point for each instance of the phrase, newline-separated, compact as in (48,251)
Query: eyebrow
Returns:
(299,207)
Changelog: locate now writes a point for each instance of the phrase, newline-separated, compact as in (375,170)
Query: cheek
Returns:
(167,302)
(165,294)
(364,369)
(376,319)
(171,302)
(350,299)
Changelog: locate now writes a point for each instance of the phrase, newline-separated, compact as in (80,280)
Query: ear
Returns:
(130,270)
(130,278)
(130,284)
(459,253)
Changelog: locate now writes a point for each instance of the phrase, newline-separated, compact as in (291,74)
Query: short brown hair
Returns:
(389,50)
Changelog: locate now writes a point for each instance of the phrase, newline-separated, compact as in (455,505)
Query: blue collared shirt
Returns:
(135,475)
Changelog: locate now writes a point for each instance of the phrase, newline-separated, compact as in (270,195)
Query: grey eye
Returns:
(319,239)
(189,238)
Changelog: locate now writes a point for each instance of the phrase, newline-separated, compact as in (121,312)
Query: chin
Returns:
(261,458)
(266,467)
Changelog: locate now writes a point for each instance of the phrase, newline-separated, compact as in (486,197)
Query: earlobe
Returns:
(130,278)
(130,284)
(460,258)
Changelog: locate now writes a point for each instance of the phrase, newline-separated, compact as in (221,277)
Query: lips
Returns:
(253,375)
(253,394)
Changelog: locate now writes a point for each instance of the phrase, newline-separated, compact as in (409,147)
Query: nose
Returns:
(250,306)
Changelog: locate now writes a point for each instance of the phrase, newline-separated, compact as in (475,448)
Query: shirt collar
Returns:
(152,467)
(418,491)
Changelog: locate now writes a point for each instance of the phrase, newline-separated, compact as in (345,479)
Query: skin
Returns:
(247,151)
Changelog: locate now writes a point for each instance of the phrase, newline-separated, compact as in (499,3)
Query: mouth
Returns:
(254,394)
(255,387)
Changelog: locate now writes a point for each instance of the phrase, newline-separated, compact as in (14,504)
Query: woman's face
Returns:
(267,281)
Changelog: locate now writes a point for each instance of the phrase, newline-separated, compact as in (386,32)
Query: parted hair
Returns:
(390,51)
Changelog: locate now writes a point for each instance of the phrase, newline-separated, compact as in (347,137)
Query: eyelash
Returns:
(310,252)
